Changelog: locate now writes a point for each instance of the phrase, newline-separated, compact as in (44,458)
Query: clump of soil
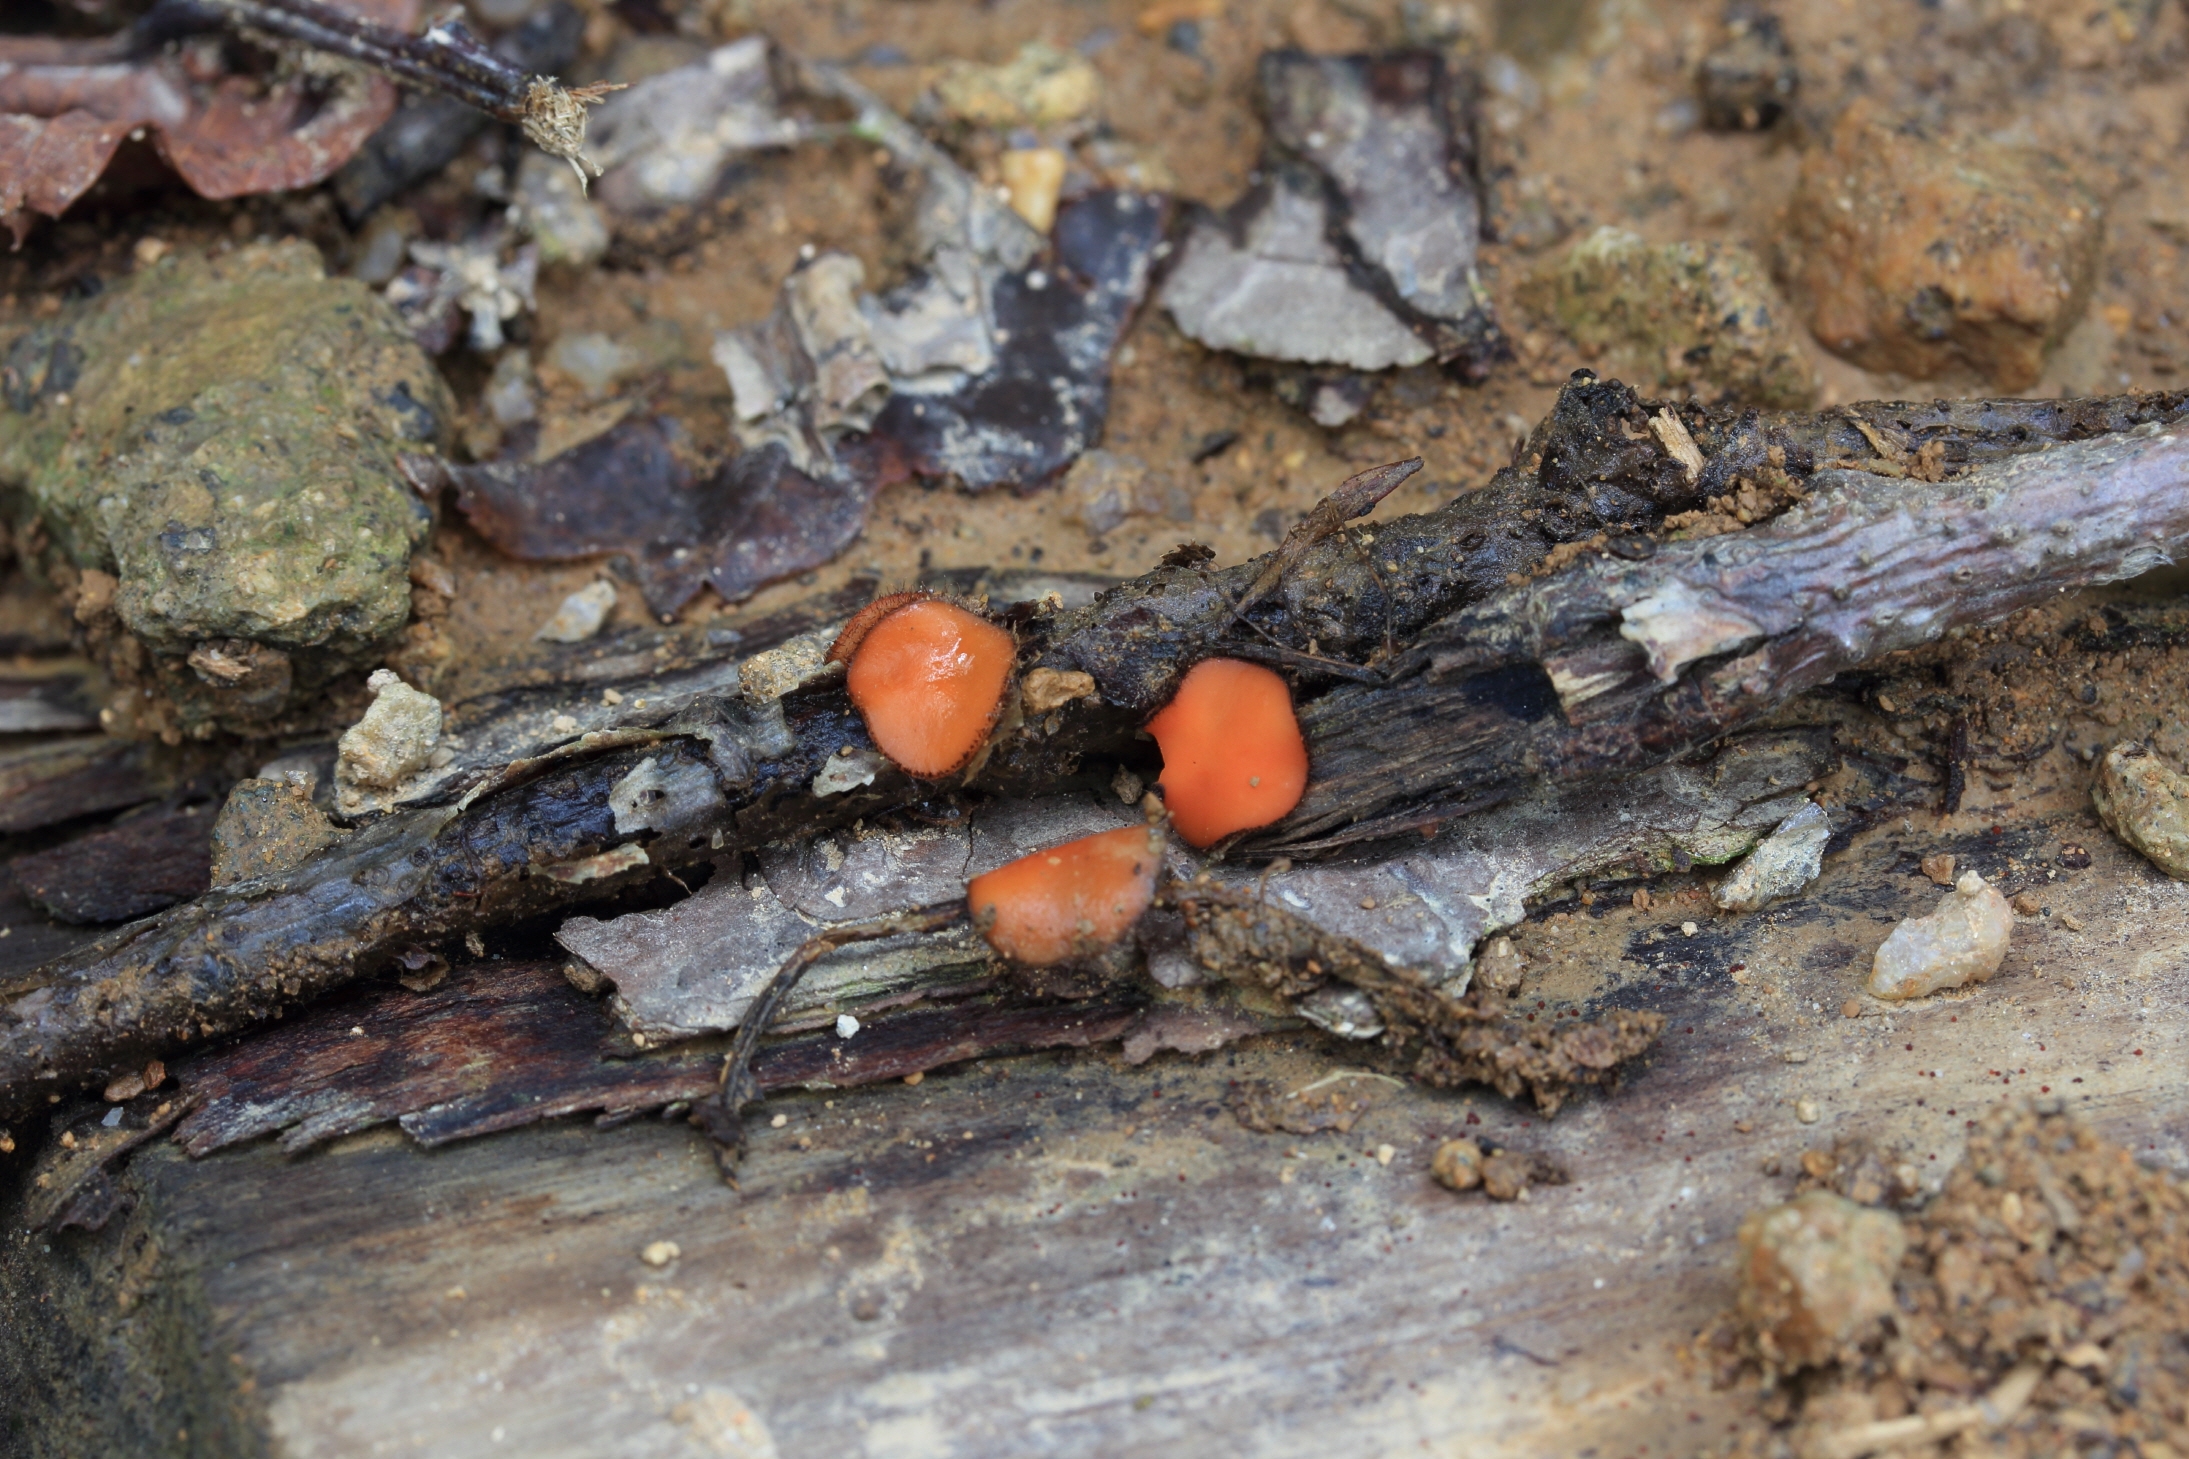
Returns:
(1437,1039)
(2038,1311)
(1263,1107)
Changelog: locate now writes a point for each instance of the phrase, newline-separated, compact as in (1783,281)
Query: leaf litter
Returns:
(67,106)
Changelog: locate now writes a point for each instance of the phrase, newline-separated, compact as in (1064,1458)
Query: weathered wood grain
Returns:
(1060,1254)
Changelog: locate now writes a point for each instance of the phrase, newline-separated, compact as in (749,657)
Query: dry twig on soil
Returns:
(448,59)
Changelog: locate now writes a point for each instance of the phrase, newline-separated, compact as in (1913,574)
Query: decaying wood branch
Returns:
(1613,665)
(1564,676)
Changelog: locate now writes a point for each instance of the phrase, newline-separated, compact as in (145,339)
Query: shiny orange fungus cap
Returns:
(1070,900)
(928,677)
(1233,757)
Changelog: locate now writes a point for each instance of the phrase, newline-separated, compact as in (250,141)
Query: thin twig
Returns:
(1995,1410)
(448,58)
(1344,1074)
(1356,496)
(1276,653)
(720,1114)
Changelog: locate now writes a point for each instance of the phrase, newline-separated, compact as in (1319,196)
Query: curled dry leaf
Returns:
(66,106)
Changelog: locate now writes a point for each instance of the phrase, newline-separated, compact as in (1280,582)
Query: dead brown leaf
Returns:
(751,521)
(66,106)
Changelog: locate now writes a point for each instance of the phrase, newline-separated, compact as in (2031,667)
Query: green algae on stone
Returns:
(1668,314)
(220,433)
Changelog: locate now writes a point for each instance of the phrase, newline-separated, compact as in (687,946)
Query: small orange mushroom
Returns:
(1070,900)
(928,677)
(1233,757)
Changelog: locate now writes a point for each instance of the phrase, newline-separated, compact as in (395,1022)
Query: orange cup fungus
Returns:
(1070,900)
(1233,757)
(928,678)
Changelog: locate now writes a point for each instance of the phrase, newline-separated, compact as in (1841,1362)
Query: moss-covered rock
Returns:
(219,434)
(1702,315)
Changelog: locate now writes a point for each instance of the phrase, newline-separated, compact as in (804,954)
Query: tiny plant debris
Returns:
(1233,757)
(928,677)
(448,58)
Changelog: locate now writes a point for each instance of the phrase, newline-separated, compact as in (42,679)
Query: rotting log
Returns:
(1468,705)
(1614,664)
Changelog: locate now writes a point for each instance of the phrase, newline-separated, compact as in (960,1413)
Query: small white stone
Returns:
(1806,1111)
(395,737)
(1961,942)
(846,1025)
(1784,862)
(840,773)
(660,1253)
(1687,929)
(581,614)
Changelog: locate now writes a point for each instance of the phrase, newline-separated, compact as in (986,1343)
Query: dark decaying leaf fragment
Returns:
(1045,401)
(752,520)
(1356,248)
(988,364)
(1392,136)
(66,106)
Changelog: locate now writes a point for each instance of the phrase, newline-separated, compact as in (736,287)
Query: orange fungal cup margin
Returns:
(1070,900)
(928,677)
(1233,755)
